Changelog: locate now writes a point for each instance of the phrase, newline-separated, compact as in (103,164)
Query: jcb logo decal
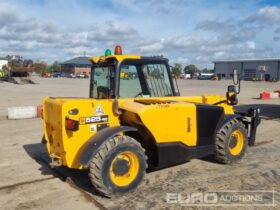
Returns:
(82,121)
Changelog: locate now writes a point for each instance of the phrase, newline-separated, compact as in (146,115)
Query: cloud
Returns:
(216,25)
(153,47)
(182,43)
(7,15)
(266,15)
(112,32)
(250,44)
(182,60)
(159,6)
(22,34)
(208,48)
(277,30)
(276,38)
(24,28)
(184,31)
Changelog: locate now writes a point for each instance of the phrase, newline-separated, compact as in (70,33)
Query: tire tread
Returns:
(221,152)
(96,163)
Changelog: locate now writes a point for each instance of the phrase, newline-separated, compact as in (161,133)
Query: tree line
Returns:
(42,68)
(177,70)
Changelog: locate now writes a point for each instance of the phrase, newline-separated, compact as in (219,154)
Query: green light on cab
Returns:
(108,52)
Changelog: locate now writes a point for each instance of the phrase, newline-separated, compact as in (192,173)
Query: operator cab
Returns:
(127,76)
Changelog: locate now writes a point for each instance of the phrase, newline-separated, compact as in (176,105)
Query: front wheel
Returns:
(231,142)
(119,166)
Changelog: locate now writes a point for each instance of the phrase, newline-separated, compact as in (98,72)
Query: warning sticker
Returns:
(99,110)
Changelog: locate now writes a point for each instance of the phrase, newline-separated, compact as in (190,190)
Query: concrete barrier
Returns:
(274,95)
(23,112)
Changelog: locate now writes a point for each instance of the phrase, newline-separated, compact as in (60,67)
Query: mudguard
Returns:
(92,146)
(228,118)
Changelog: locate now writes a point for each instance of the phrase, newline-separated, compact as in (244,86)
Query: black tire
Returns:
(101,165)
(224,142)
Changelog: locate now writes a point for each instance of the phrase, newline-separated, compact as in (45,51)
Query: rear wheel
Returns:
(231,142)
(119,166)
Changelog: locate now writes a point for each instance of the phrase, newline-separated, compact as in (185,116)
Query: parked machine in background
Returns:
(17,70)
(205,76)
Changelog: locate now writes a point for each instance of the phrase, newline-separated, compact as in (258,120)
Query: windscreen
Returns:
(129,82)
(144,80)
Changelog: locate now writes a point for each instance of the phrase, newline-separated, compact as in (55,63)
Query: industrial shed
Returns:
(76,65)
(253,69)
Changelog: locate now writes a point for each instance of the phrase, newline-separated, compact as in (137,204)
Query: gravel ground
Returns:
(26,181)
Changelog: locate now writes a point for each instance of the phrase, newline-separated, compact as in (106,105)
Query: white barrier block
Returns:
(274,95)
(23,112)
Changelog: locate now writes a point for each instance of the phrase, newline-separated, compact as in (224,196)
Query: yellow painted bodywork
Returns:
(167,122)
(162,120)
(67,144)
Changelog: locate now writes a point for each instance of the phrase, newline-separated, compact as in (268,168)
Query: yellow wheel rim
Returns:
(129,163)
(236,147)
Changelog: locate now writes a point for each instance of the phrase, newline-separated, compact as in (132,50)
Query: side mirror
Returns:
(235,77)
(232,95)
(236,80)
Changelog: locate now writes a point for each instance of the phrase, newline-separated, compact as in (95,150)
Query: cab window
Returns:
(157,79)
(129,82)
(101,82)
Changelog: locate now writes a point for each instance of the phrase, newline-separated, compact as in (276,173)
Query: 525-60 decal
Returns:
(94,119)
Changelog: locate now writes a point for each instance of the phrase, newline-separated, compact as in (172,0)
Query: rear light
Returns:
(40,112)
(71,125)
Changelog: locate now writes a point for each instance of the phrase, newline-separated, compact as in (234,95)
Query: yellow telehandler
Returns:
(127,126)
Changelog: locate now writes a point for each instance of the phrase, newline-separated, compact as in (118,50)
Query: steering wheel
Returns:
(139,94)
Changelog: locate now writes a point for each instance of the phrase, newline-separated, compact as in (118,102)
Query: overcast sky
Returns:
(185,31)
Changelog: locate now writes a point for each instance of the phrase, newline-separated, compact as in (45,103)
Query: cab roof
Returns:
(120,58)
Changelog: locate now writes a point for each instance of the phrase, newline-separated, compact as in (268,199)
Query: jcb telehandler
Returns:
(126,126)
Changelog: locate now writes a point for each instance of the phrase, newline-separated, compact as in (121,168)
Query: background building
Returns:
(76,65)
(257,69)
